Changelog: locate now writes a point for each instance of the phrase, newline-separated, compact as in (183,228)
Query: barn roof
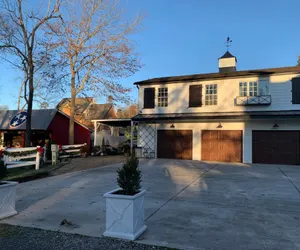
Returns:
(41,119)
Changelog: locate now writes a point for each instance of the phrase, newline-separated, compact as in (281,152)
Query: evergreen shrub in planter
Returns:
(7,194)
(125,205)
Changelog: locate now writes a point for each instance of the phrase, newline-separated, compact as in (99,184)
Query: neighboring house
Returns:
(46,124)
(81,109)
(86,110)
(249,116)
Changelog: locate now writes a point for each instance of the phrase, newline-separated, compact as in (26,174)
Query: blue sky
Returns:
(179,37)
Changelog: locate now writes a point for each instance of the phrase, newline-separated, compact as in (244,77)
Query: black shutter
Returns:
(296,90)
(149,98)
(195,98)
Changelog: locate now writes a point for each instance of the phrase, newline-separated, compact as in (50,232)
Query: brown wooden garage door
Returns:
(222,145)
(276,147)
(175,144)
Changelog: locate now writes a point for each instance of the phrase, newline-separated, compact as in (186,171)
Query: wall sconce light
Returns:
(220,126)
(275,125)
(172,126)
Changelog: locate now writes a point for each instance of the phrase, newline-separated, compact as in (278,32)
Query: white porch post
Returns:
(37,160)
(95,133)
(131,133)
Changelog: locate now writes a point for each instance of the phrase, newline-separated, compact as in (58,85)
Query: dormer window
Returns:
(248,89)
(162,98)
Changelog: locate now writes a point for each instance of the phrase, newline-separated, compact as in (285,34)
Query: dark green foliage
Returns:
(84,149)
(130,177)
(3,170)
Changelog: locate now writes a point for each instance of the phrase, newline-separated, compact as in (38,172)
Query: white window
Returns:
(243,89)
(253,91)
(162,100)
(211,94)
(248,89)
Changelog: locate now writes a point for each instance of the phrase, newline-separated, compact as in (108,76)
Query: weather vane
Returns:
(228,43)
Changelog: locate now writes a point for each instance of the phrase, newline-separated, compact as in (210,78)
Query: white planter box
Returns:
(8,199)
(124,215)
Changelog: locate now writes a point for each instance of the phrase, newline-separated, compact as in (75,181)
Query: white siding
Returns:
(228,89)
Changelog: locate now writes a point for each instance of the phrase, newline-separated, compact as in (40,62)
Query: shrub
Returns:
(84,150)
(3,170)
(130,177)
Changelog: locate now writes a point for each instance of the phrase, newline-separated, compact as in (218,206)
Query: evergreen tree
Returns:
(130,177)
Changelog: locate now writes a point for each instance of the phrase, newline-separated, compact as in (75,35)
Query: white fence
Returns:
(14,157)
(68,151)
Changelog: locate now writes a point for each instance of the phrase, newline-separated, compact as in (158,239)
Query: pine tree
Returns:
(130,177)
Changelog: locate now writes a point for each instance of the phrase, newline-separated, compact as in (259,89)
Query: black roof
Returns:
(244,115)
(227,55)
(221,75)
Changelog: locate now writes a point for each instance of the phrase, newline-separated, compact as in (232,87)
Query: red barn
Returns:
(46,124)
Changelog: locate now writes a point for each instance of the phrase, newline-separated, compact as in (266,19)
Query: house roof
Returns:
(227,55)
(98,111)
(245,115)
(221,75)
(41,119)
(81,103)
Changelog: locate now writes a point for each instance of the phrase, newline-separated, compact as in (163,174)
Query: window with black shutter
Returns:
(296,90)
(195,97)
(149,98)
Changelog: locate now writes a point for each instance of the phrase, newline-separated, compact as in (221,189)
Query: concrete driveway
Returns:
(189,204)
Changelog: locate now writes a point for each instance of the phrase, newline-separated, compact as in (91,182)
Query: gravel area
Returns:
(78,164)
(23,238)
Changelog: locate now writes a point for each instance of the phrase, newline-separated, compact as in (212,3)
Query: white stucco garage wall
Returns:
(246,127)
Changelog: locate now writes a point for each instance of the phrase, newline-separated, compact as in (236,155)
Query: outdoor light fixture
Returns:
(275,125)
(220,126)
(172,126)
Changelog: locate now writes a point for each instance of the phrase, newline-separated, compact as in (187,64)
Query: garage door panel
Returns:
(276,147)
(221,145)
(175,144)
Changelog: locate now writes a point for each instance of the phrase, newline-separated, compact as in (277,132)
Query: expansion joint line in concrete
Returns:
(289,179)
(201,175)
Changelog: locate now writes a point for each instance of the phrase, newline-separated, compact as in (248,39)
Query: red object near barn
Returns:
(47,124)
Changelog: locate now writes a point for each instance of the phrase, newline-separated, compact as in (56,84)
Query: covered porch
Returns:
(134,134)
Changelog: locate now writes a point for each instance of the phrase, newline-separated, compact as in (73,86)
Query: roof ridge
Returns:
(214,75)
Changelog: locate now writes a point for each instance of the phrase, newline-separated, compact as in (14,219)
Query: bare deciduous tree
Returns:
(21,37)
(128,111)
(94,40)
(3,107)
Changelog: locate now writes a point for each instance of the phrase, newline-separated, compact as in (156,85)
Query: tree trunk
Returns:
(30,100)
(72,111)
